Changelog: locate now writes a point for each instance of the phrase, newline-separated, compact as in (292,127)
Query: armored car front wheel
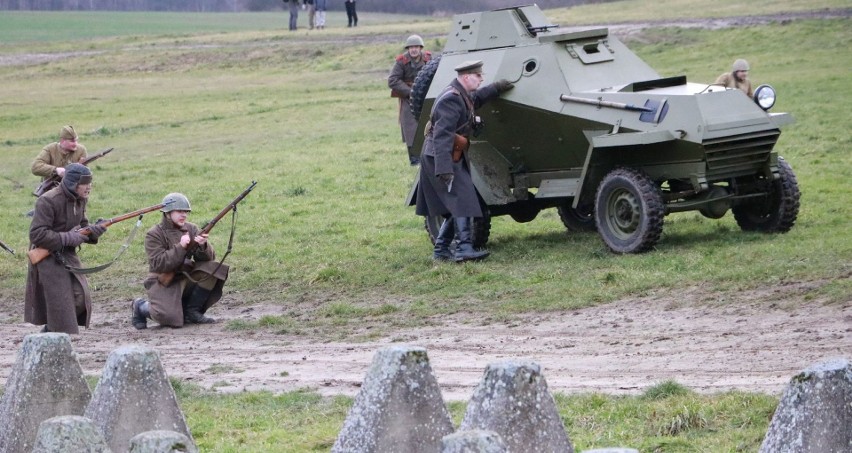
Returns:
(629,211)
(775,213)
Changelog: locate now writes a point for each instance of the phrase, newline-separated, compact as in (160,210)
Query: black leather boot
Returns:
(141,313)
(193,311)
(464,247)
(442,242)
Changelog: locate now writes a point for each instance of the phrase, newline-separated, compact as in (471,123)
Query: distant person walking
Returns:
(737,78)
(322,7)
(294,13)
(400,80)
(311,12)
(351,14)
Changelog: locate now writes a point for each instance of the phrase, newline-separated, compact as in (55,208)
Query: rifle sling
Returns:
(227,252)
(92,270)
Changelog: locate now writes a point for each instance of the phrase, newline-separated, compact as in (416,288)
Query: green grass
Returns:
(325,234)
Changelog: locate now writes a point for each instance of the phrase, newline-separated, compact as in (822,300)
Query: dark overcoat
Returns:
(49,295)
(453,112)
(400,79)
(162,245)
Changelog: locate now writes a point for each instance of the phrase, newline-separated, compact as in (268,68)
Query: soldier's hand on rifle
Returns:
(96,229)
(185,240)
(71,238)
(201,240)
(60,171)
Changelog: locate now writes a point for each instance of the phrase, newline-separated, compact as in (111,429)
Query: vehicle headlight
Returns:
(764,96)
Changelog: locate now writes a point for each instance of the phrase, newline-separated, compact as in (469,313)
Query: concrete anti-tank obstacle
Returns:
(46,381)
(512,400)
(69,434)
(133,396)
(815,412)
(161,442)
(473,441)
(399,406)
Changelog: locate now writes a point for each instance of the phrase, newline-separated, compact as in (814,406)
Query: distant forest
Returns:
(427,7)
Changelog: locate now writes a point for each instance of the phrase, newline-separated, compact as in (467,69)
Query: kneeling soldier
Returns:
(183,281)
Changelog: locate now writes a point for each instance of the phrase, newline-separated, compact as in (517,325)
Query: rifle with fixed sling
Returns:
(53,180)
(6,247)
(166,278)
(38,254)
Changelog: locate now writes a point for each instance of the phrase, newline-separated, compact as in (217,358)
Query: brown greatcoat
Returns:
(52,156)
(400,80)
(162,245)
(50,288)
(729,80)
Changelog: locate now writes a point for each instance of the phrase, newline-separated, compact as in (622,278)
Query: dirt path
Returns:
(752,341)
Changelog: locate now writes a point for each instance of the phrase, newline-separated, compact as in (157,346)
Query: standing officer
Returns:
(737,78)
(54,157)
(400,80)
(55,296)
(176,248)
(446,187)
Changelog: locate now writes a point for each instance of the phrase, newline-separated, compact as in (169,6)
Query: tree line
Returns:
(430,7)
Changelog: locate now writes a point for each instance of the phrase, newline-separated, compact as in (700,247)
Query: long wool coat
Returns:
(51,156)
(162,245)
(400,79)
(49,295)
(451,114)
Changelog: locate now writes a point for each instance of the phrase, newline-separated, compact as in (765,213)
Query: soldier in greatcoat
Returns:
(54,157)
(446,187)
(400,80)
(177,249)
(737,78)
(55,296)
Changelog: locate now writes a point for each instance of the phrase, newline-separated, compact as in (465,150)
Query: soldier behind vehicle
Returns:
(183,281)
(56,297)
(400,79)
(737,78)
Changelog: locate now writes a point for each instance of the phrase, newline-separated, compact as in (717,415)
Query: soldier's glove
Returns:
(503,86)
(446,178)
(71,238)
(96,230)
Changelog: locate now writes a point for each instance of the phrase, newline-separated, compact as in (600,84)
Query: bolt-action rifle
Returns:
(166,278)
(6,247)
(53,180)
(38,254)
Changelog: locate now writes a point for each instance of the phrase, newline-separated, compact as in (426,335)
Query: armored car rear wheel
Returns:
(421,86)
(481,228)
(777,212)
(629,211)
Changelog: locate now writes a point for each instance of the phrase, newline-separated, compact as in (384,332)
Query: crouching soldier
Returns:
(183,281)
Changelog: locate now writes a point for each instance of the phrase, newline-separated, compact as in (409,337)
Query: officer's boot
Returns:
(443,241)
(464,247)
(193,312)
(141,313)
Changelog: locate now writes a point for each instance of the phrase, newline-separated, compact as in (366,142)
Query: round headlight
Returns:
(764,96)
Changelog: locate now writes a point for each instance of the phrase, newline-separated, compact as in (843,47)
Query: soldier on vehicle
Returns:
(56,296)
(737,78)
(446,188)
(183,281)
(400,80)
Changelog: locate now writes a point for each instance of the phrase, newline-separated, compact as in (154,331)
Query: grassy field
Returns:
(204,107)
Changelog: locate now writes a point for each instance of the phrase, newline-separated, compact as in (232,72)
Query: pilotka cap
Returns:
(67,133)
(470,67)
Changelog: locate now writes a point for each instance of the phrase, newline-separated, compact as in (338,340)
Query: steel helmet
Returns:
(180,203)
(414,40)
(740,65)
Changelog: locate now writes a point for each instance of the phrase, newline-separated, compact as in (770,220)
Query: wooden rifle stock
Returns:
(52,181)
(165,278)
(38,254)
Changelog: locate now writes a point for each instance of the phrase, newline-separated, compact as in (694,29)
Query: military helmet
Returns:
(181,203)
(740,65)
(414,40)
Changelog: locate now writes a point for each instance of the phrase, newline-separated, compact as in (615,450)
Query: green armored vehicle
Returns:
(593,131)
